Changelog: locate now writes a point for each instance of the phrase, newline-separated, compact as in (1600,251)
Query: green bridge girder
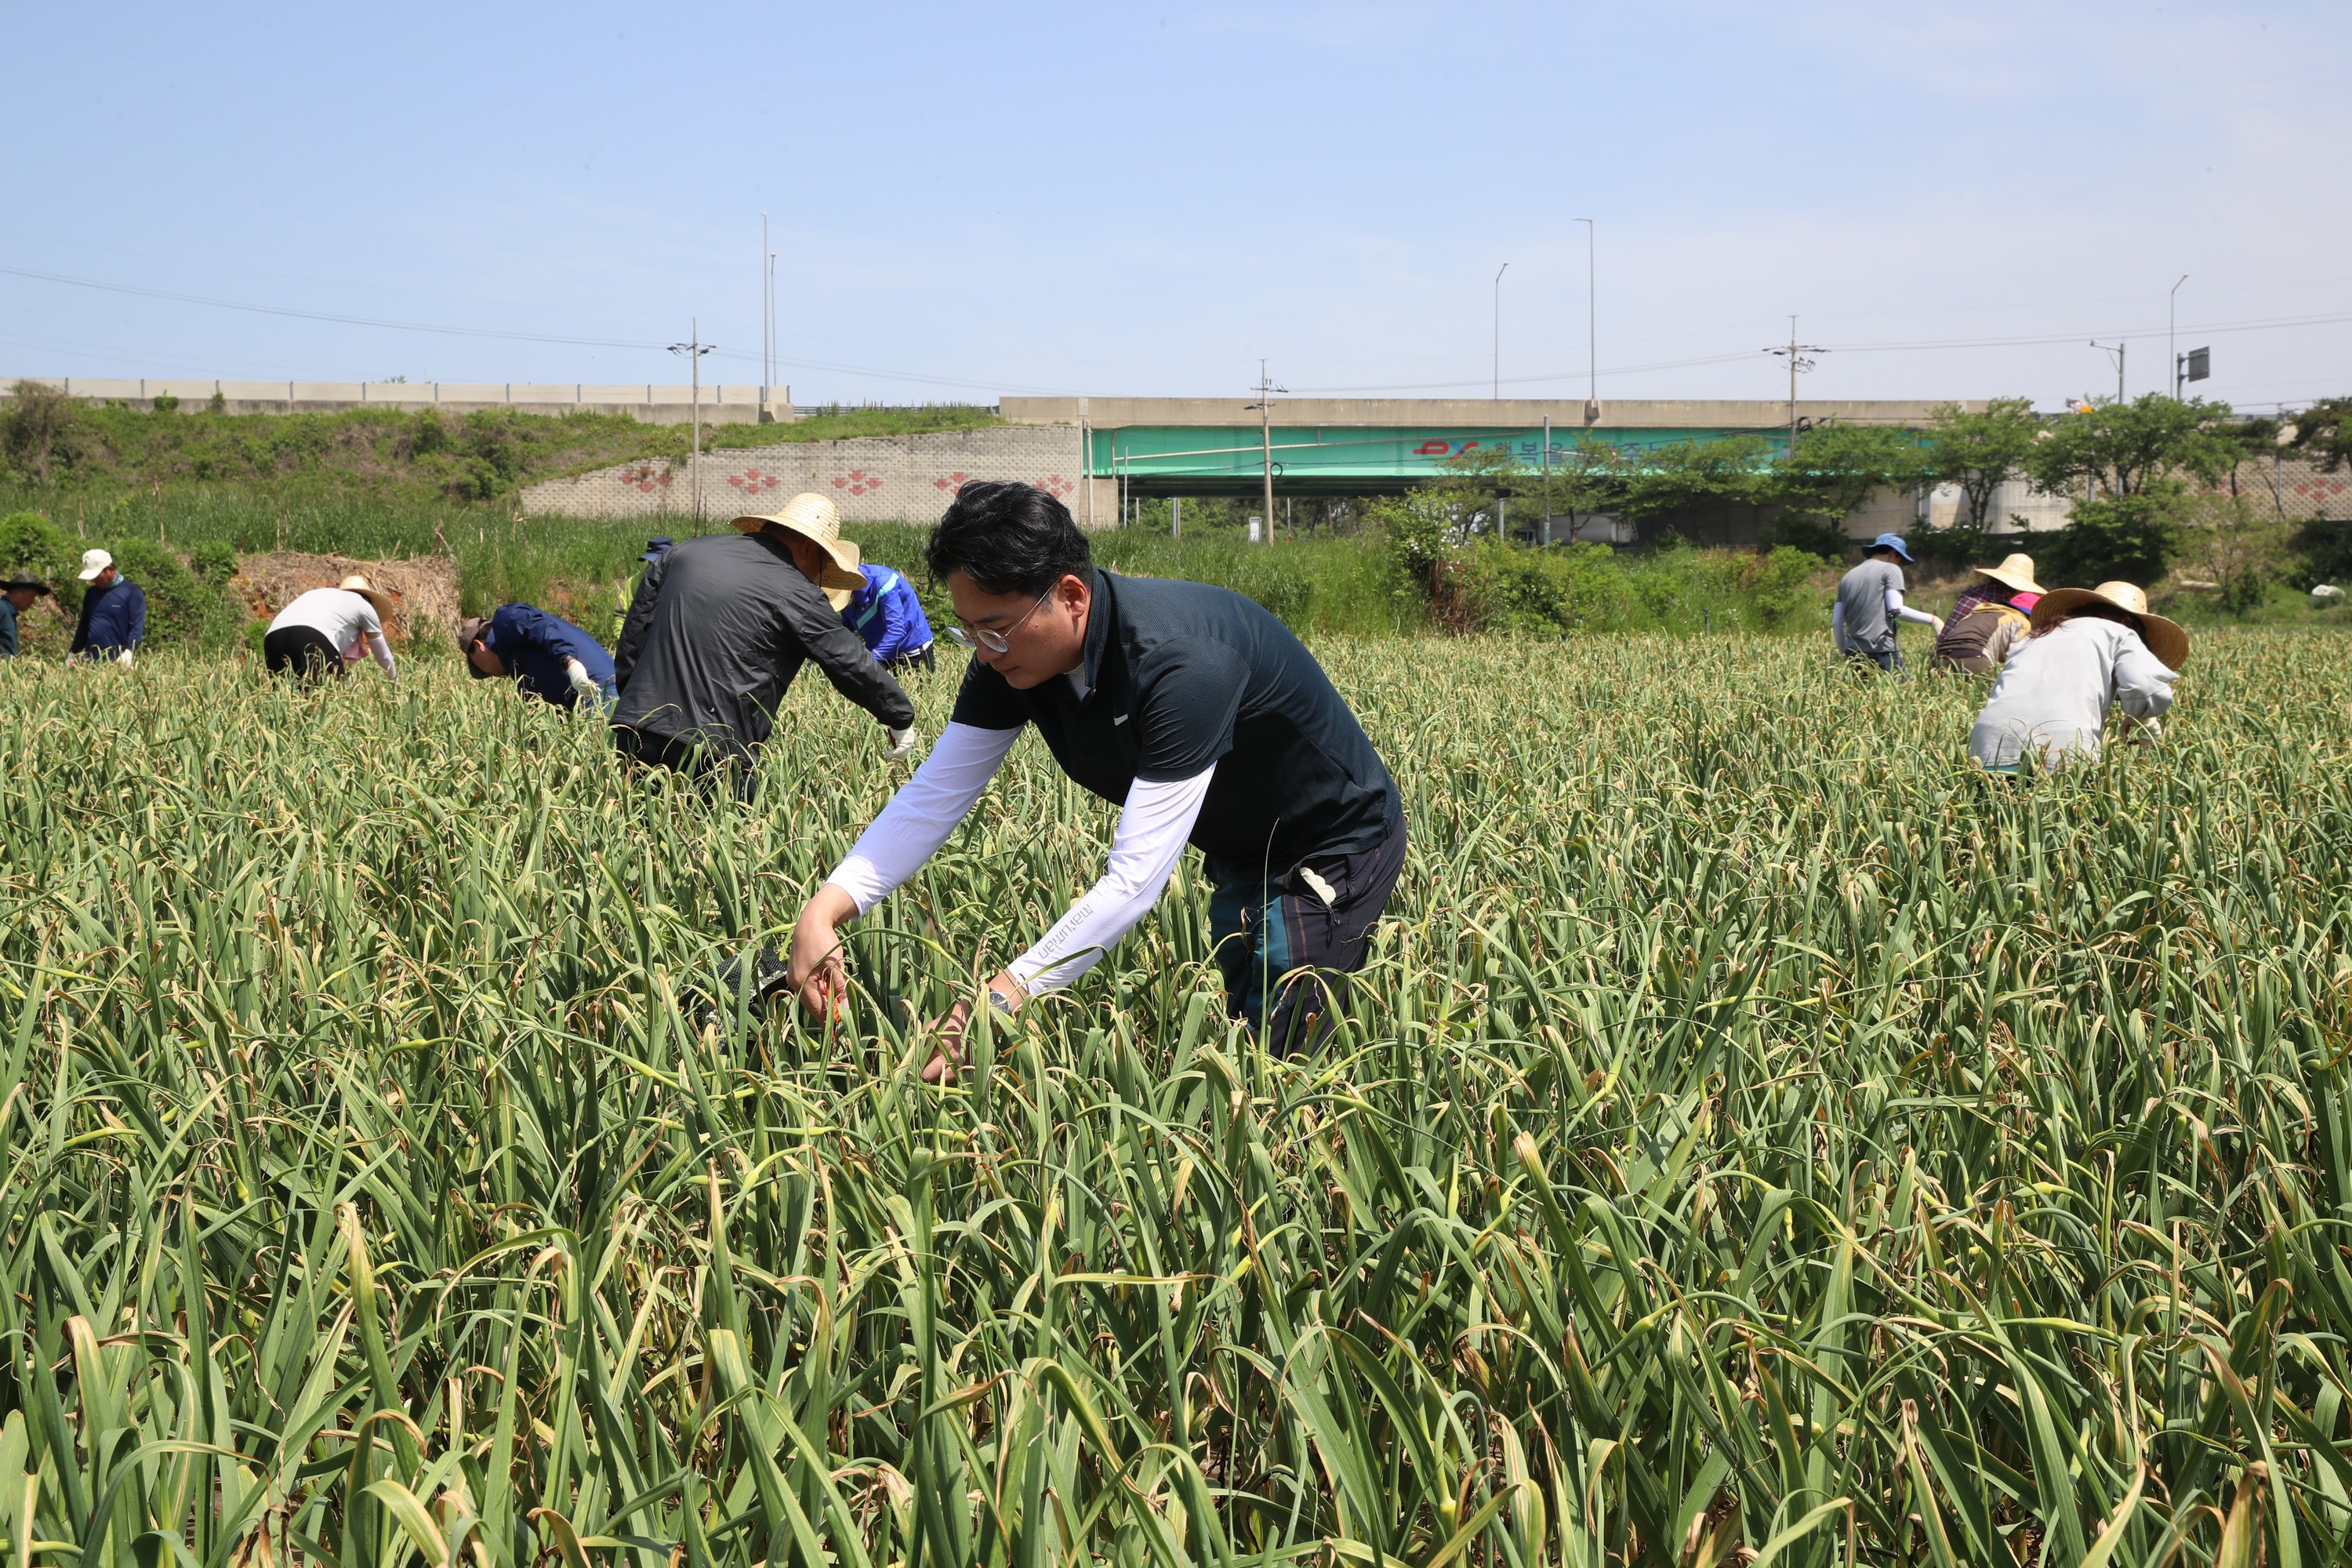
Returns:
(1309,460)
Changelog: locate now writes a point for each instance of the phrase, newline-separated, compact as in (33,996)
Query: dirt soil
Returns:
(424,589)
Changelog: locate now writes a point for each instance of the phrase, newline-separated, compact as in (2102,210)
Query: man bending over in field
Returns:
(1188,706)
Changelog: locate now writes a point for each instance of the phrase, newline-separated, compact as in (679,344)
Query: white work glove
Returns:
(123,659)
(902,743)
(581,681)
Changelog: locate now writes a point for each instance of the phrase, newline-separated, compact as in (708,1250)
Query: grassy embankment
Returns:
(381,483)
(1757,1133)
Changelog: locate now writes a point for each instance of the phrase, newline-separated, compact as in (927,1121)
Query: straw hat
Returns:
(355,583)
(2166,639)
(2015,573)
(813,517)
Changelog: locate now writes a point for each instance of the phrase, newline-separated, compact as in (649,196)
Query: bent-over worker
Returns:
(549,657)
(720,625)
(1190,708)
(309,637)
(889,618)
(1870,603)
(1989,618)
(2092,649)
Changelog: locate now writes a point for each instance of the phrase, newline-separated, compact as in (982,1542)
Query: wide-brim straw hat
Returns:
(2014,573)
(2166,639)
(813,517)
(384,602)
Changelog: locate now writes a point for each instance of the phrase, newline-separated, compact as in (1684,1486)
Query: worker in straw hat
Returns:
(720,625)
(2090,650)
(1990,618)
(322,631)
(16,596)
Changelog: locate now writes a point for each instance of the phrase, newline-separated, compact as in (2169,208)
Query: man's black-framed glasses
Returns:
(995,641)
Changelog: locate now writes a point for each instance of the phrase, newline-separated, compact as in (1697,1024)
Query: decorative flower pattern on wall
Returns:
(645,478)
(751,481)
(859,482)
(1055,485)
(953,482)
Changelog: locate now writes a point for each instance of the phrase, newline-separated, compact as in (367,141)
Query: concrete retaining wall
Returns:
(877,478)
(648,403)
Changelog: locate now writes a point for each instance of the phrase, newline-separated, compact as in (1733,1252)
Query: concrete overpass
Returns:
(1215,445)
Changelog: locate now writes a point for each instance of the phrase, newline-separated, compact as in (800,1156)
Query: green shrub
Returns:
(44,434)
(31,543)
(2322,554)
(214,560)
(1779,587)
(183,609)
(2133,538)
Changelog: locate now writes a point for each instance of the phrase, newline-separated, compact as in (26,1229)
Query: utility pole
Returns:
(767,319)
(1265,390)
(694,350)
(1592,320)
(2171,327)
(2115,349)
(1545,527)
(1506,267)
(1797,361)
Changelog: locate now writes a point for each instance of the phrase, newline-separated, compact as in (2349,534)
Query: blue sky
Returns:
(967,201)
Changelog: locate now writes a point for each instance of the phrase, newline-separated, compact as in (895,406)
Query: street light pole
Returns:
(2116,349)
(2171,327)
(1506,267)
(1591,319)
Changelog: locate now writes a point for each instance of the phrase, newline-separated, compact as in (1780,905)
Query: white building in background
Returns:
(2017,507)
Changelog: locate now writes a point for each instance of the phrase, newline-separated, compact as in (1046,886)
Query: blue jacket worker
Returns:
(547,656)
(113,612)
(16,596)
(889,616)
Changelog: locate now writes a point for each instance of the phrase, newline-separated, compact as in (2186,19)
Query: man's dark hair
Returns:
(1008,538)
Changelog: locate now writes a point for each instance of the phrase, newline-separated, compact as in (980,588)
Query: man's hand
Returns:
(581,681)
(814,970)
(902,743)
(948,1056)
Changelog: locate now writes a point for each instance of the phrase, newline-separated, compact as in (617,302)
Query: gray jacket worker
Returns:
(1869,603)
(1187,706)
(720,627)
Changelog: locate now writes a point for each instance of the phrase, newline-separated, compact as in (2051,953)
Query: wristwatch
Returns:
(999,1003)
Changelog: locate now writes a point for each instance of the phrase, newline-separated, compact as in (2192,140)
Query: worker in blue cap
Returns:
(1870,604)
(654,550)
(889,618)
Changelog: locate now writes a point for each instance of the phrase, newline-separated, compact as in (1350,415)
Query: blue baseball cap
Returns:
(656,548)
(1892,541)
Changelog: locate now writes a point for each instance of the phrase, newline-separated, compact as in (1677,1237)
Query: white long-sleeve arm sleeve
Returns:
(382,651)
(2143,685)
(1837,627)
(922,814)
(1903,612)
(1153,827)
